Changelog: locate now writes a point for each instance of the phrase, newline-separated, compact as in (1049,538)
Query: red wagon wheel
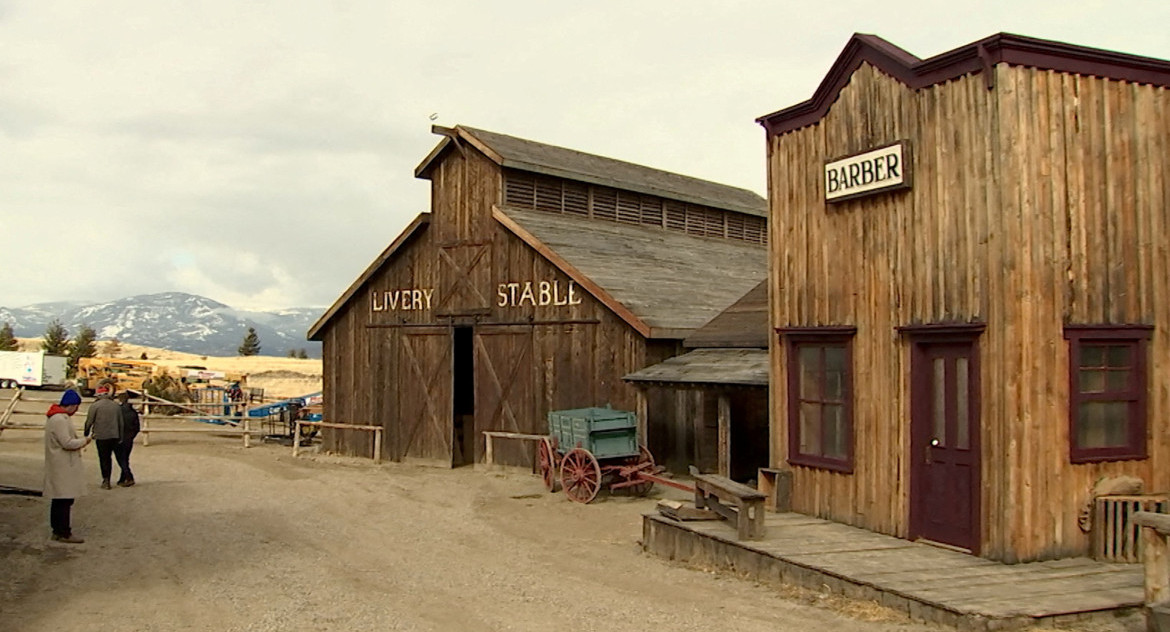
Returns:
(580,475)
(548,464)
(644,456)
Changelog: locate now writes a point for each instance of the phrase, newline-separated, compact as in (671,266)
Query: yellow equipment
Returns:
(122,374)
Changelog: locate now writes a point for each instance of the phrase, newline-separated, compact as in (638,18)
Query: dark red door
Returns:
(944,446)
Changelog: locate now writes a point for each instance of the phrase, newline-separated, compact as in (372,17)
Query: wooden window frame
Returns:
(1136,393)
(794,338)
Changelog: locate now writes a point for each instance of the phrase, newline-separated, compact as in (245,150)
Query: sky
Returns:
(262,153)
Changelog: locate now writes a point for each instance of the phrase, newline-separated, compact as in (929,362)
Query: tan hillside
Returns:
(279,377)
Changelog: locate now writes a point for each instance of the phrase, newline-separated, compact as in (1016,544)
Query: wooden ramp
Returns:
(926,582)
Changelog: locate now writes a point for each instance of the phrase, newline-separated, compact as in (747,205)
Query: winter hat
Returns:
(70,398)
(102,390)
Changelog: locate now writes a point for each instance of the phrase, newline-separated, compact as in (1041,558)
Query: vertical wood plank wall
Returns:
(369,378)
(1039,203)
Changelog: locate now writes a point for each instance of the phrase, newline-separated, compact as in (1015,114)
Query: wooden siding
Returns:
(394,367)
(1039,203)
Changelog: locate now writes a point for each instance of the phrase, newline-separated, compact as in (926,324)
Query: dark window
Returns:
(1107,392)
(820,397)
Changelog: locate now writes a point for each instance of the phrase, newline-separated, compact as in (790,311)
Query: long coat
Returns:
(64,475)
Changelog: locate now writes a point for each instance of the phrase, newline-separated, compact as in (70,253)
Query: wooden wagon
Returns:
(588,448)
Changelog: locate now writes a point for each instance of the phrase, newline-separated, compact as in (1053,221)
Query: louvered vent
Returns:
(554,195)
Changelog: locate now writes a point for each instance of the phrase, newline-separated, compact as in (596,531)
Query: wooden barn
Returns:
(972,300)
(540,277)
(720,390)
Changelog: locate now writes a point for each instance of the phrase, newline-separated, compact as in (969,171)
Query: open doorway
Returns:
(463,392)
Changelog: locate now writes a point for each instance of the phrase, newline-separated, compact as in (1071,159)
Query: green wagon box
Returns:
(605,432)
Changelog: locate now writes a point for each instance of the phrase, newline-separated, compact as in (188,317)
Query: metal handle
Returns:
(933,442)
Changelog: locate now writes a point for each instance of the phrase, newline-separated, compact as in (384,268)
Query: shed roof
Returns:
(671,282)
(740,367)
(976,57)
(527,155)
(743,325)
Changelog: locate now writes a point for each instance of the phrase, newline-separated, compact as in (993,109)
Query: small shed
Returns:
(972,300)
(720,389)
(540,276)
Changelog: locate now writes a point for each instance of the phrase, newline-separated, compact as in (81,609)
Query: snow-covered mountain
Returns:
(173,320)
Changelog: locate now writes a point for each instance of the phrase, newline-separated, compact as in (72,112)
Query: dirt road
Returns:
(218,537)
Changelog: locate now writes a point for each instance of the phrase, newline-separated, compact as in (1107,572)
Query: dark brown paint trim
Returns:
(974,58)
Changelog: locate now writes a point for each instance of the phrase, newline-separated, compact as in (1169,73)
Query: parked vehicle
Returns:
(32,369)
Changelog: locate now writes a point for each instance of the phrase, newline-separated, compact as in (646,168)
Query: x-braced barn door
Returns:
(425,403)
(944,444)
(504,376)
(464,279)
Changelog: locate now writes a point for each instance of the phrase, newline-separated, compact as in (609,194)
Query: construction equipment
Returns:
(280,418)
(122,374)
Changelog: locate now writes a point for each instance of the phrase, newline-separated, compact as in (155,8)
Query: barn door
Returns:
(424,414)
(504,376)
(944,446)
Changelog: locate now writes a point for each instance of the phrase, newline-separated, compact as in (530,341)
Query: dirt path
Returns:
(216,537)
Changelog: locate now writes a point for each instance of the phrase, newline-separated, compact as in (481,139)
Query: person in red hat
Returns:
(64,477)
(103,422)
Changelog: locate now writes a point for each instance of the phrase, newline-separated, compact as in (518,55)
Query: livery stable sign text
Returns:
(518,294)
(882,169)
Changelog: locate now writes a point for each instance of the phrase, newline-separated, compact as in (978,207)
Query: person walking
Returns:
(130,427)
(64,476)
(103,422)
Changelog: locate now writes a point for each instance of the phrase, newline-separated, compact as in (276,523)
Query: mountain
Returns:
(173,320)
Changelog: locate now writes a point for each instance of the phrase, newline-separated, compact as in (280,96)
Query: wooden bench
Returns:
(1156,558)
(734,501)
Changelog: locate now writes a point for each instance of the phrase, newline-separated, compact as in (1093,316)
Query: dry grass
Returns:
(279,377)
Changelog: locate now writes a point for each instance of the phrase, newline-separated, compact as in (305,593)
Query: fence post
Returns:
(297,437)
(145,421)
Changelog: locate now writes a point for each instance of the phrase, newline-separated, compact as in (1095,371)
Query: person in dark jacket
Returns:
(103,422)
(130,427)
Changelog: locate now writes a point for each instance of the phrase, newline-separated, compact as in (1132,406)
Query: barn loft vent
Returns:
(554,195)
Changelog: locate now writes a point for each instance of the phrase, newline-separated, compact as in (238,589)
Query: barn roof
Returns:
(407,233)
(976,57)
(665,283)
(740,367)
(550,160)
(744,324)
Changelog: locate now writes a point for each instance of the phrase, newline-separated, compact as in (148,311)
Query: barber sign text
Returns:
(880,169)
(403,300)
(537,293)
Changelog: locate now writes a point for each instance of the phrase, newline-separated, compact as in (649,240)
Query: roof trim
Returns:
(417,224)
(584,281)
(974,58)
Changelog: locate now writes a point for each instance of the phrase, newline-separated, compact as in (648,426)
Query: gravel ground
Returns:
(218,537)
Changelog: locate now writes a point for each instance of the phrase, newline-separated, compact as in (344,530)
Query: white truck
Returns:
(31,369)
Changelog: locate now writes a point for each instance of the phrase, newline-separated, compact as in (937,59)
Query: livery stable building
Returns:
(540,277)
(971,290)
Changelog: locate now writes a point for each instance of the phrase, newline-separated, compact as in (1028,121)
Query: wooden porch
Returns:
(928,583)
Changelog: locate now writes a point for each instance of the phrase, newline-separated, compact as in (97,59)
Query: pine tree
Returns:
(302,354)
(82,347)
(7,340)
(112,348)
(56,339)
(292,353)
(251,344)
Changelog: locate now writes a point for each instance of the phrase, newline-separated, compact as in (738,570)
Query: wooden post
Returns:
(378,445)
(146,423)
(247,433)
(641,411)
(1155,532)
(297,437)
(724,435)
(488,458)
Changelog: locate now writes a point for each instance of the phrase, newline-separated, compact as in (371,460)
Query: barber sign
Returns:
(874,171)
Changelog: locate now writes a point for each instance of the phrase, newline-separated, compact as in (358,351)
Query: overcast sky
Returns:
(261,153)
